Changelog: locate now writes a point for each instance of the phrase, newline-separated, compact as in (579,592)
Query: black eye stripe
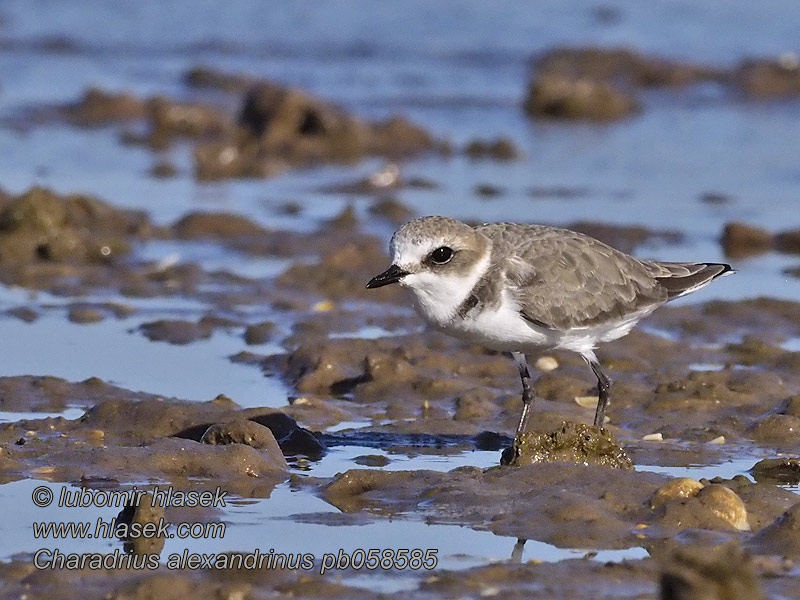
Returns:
(441,255)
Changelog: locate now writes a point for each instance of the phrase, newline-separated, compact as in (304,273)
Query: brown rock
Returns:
(740,240)
(216,225)
(766,79)
(556,96)
(175,331)
(573,442)
(719,573)
(98,107)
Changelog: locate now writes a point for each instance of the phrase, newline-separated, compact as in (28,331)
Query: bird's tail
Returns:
(679,279)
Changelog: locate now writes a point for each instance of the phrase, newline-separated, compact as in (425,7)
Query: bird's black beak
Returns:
(391,275)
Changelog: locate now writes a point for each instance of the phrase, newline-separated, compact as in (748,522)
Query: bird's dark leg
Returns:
(516,553)
(604,384)
(527,392)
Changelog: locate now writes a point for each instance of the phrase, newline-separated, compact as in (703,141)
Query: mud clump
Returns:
(573,442)
(599,84)
(209,78)
(277,128)
(682,487)
(259,333)
(724,572)
(140,515)
(280,128)
(688,503)
(40,227)
(783,536)
(777,470)
(740,240)
(175,331)
(199,225)
(342,272)
(292,439)
(556,96)
(242,431)
(502,149)
(99,107)
(769,79)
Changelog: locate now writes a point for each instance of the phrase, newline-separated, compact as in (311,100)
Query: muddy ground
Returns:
(695,385)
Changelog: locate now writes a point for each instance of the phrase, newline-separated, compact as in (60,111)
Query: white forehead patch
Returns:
(408,253)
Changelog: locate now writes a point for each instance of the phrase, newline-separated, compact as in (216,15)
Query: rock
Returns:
(292,439)
(725,504)
(788,241)
(175,119)
(573,442)
(487,190)
(555,96)
(164,170)
(207,77)
(767,79)
(598,84)
(497,149)
(783,536)
(240,431)
(777,429)
(198,225)
(777,470)
(141,513)
(714,506)
(392,210)
(682,487)
(243,431)
(85,314)
(174,331)
(39,226)
(723,572)
(740,240)
(259,333)
(98,107)
(281,127)
(372,460)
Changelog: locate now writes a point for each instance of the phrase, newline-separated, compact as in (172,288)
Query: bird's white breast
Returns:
(499,326)
(439,295)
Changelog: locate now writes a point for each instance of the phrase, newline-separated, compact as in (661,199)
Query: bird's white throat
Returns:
(439,295)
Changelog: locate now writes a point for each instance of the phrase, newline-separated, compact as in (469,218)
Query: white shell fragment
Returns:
(653,437)
(546,363)
(587,401)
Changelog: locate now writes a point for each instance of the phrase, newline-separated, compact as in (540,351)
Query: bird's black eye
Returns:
(442,255)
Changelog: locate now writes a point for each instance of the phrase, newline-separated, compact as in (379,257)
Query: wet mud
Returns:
(696,385)
(274,129)
(605,84)
(415,392)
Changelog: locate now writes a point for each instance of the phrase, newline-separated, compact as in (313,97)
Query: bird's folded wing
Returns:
(566,281)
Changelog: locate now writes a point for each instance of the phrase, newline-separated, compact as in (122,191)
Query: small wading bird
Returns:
(518,288)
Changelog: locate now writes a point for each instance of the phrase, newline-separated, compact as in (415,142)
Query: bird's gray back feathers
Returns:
(563,279)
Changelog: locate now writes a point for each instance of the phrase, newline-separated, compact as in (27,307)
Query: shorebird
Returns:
(520,288)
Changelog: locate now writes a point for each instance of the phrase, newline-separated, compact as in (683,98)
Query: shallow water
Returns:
(454,72)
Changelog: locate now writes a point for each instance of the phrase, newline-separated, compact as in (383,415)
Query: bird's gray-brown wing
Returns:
(563,279)
(679,279)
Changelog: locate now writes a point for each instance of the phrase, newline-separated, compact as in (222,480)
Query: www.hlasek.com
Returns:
(47,558)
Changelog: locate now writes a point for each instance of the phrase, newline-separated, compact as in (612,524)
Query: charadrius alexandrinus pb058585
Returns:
(517,288)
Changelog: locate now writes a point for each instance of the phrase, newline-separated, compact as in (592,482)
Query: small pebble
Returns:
(323,306)
(546,363)
(682,487)
(587,401)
